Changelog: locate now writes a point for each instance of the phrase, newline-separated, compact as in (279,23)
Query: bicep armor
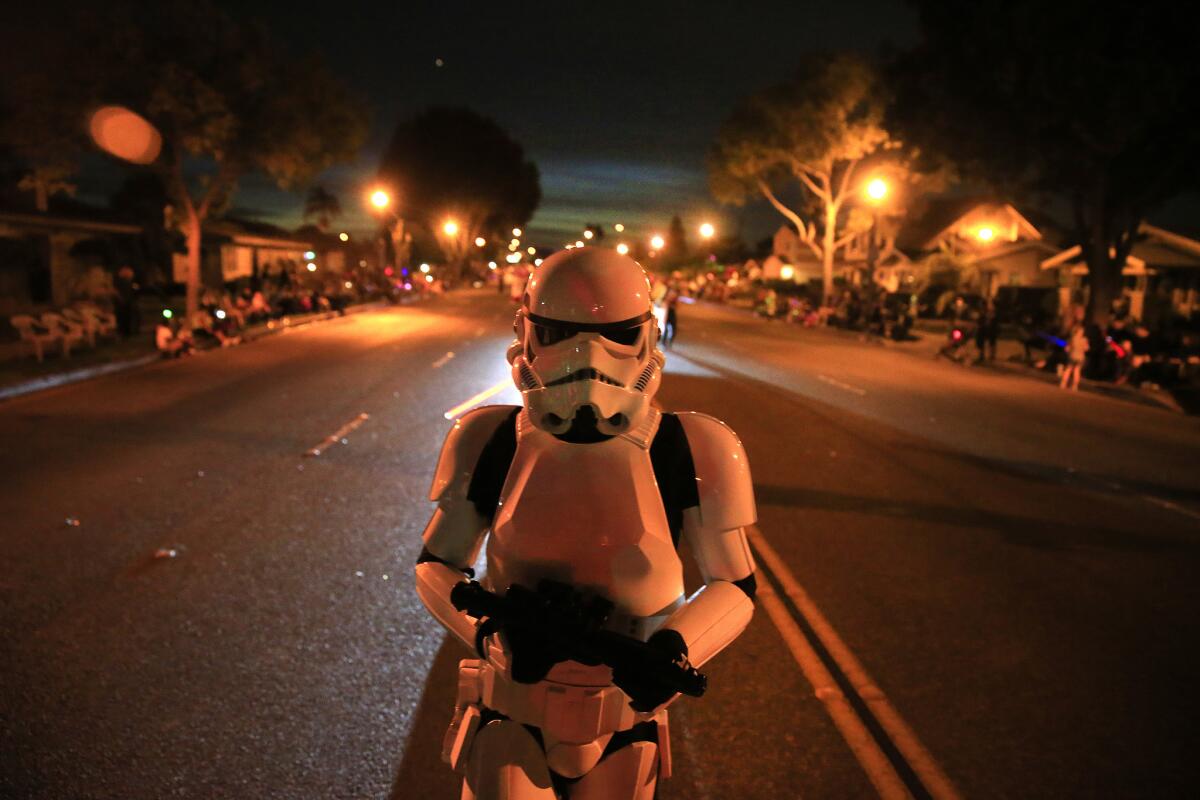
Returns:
(455,532)
(720,610)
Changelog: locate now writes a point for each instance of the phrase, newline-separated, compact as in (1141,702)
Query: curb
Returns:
(1161,400)
(100,370)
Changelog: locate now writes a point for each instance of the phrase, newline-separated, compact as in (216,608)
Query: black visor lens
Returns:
(551,334)
(626,336)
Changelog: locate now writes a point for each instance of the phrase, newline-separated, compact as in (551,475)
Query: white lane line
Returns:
(901,734)
(441,362)
(840,385)
(477,399)
(337,435)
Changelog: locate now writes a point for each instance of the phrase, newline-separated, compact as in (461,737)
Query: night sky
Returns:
(616,103)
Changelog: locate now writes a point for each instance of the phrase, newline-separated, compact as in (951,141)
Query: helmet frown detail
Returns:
(586,358)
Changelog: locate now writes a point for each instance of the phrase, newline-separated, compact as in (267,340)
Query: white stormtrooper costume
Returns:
(588,484)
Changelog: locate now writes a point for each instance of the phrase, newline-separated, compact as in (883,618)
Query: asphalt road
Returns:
(1015,567)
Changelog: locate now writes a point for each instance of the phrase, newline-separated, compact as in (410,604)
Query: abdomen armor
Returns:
(589,515)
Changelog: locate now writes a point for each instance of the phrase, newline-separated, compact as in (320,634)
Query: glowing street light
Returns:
(450,228)
(425,268)
(516,231)
(578,243)
(623,249)
(707,230)
(513,258)
(531,250)
(618,227)
(380,199)
(537,262)
(491,265)
(345,237)
(480,241)
(588,234)
(311,267)
(986,234)
(877,189)
(309,255)
(658,242)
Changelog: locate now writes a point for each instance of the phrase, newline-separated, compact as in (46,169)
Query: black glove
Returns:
(645,694)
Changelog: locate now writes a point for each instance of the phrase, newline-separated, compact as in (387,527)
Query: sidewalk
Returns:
(26,375)
(1009,354)
(1010,359)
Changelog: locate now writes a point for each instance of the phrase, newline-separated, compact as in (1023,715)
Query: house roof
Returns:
(256,234)
(945,215)
(41,221)
(1155,247)
(938,214)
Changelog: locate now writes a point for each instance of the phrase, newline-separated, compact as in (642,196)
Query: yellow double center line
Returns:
(888,750)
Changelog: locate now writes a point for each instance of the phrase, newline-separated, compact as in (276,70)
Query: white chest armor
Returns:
(589,515)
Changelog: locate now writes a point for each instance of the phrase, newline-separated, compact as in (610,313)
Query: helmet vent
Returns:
(528,379)
(644,379)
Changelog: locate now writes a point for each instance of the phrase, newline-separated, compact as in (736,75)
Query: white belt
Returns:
(577,714)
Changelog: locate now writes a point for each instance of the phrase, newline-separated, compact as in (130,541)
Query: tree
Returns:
(226,101)
(451,164)
(322,204)
(42,101)
(814,130)
(676,250)
(1087,104)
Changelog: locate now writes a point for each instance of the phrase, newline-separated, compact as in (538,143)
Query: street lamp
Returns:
(619,228)
(345,237)
(707,230)
(623,249)
(877,190)
(658,242)
(480,241)
(450,228)
(516,231)
(380,199)
(986,234)
(587,234)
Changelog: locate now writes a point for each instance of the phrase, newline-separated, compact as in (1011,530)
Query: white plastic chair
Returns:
(68,332)
(34,333)
(106,323)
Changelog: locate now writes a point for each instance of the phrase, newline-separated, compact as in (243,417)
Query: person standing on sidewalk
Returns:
(125,302)
(1077,349)
(987,332)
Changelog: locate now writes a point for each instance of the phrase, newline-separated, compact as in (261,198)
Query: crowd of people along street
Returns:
(1058,341)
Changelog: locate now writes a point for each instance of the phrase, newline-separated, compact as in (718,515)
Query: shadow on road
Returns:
(1096,482)
(422,774)
(1027,531)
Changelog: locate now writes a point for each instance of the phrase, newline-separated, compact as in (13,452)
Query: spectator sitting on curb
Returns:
(168,341)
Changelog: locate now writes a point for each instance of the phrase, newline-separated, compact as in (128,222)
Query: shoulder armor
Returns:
(722,473)
(461,450)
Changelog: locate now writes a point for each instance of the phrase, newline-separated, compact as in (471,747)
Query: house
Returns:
(1000,245)
(233,249)
(1162,274)
(792,259)
(48,258)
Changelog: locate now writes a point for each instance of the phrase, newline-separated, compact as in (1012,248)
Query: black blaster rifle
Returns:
(571,623)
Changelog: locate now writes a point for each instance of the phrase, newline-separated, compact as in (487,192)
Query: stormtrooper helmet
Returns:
(586,358)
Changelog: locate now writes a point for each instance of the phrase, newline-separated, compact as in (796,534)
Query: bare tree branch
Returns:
(806,236)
